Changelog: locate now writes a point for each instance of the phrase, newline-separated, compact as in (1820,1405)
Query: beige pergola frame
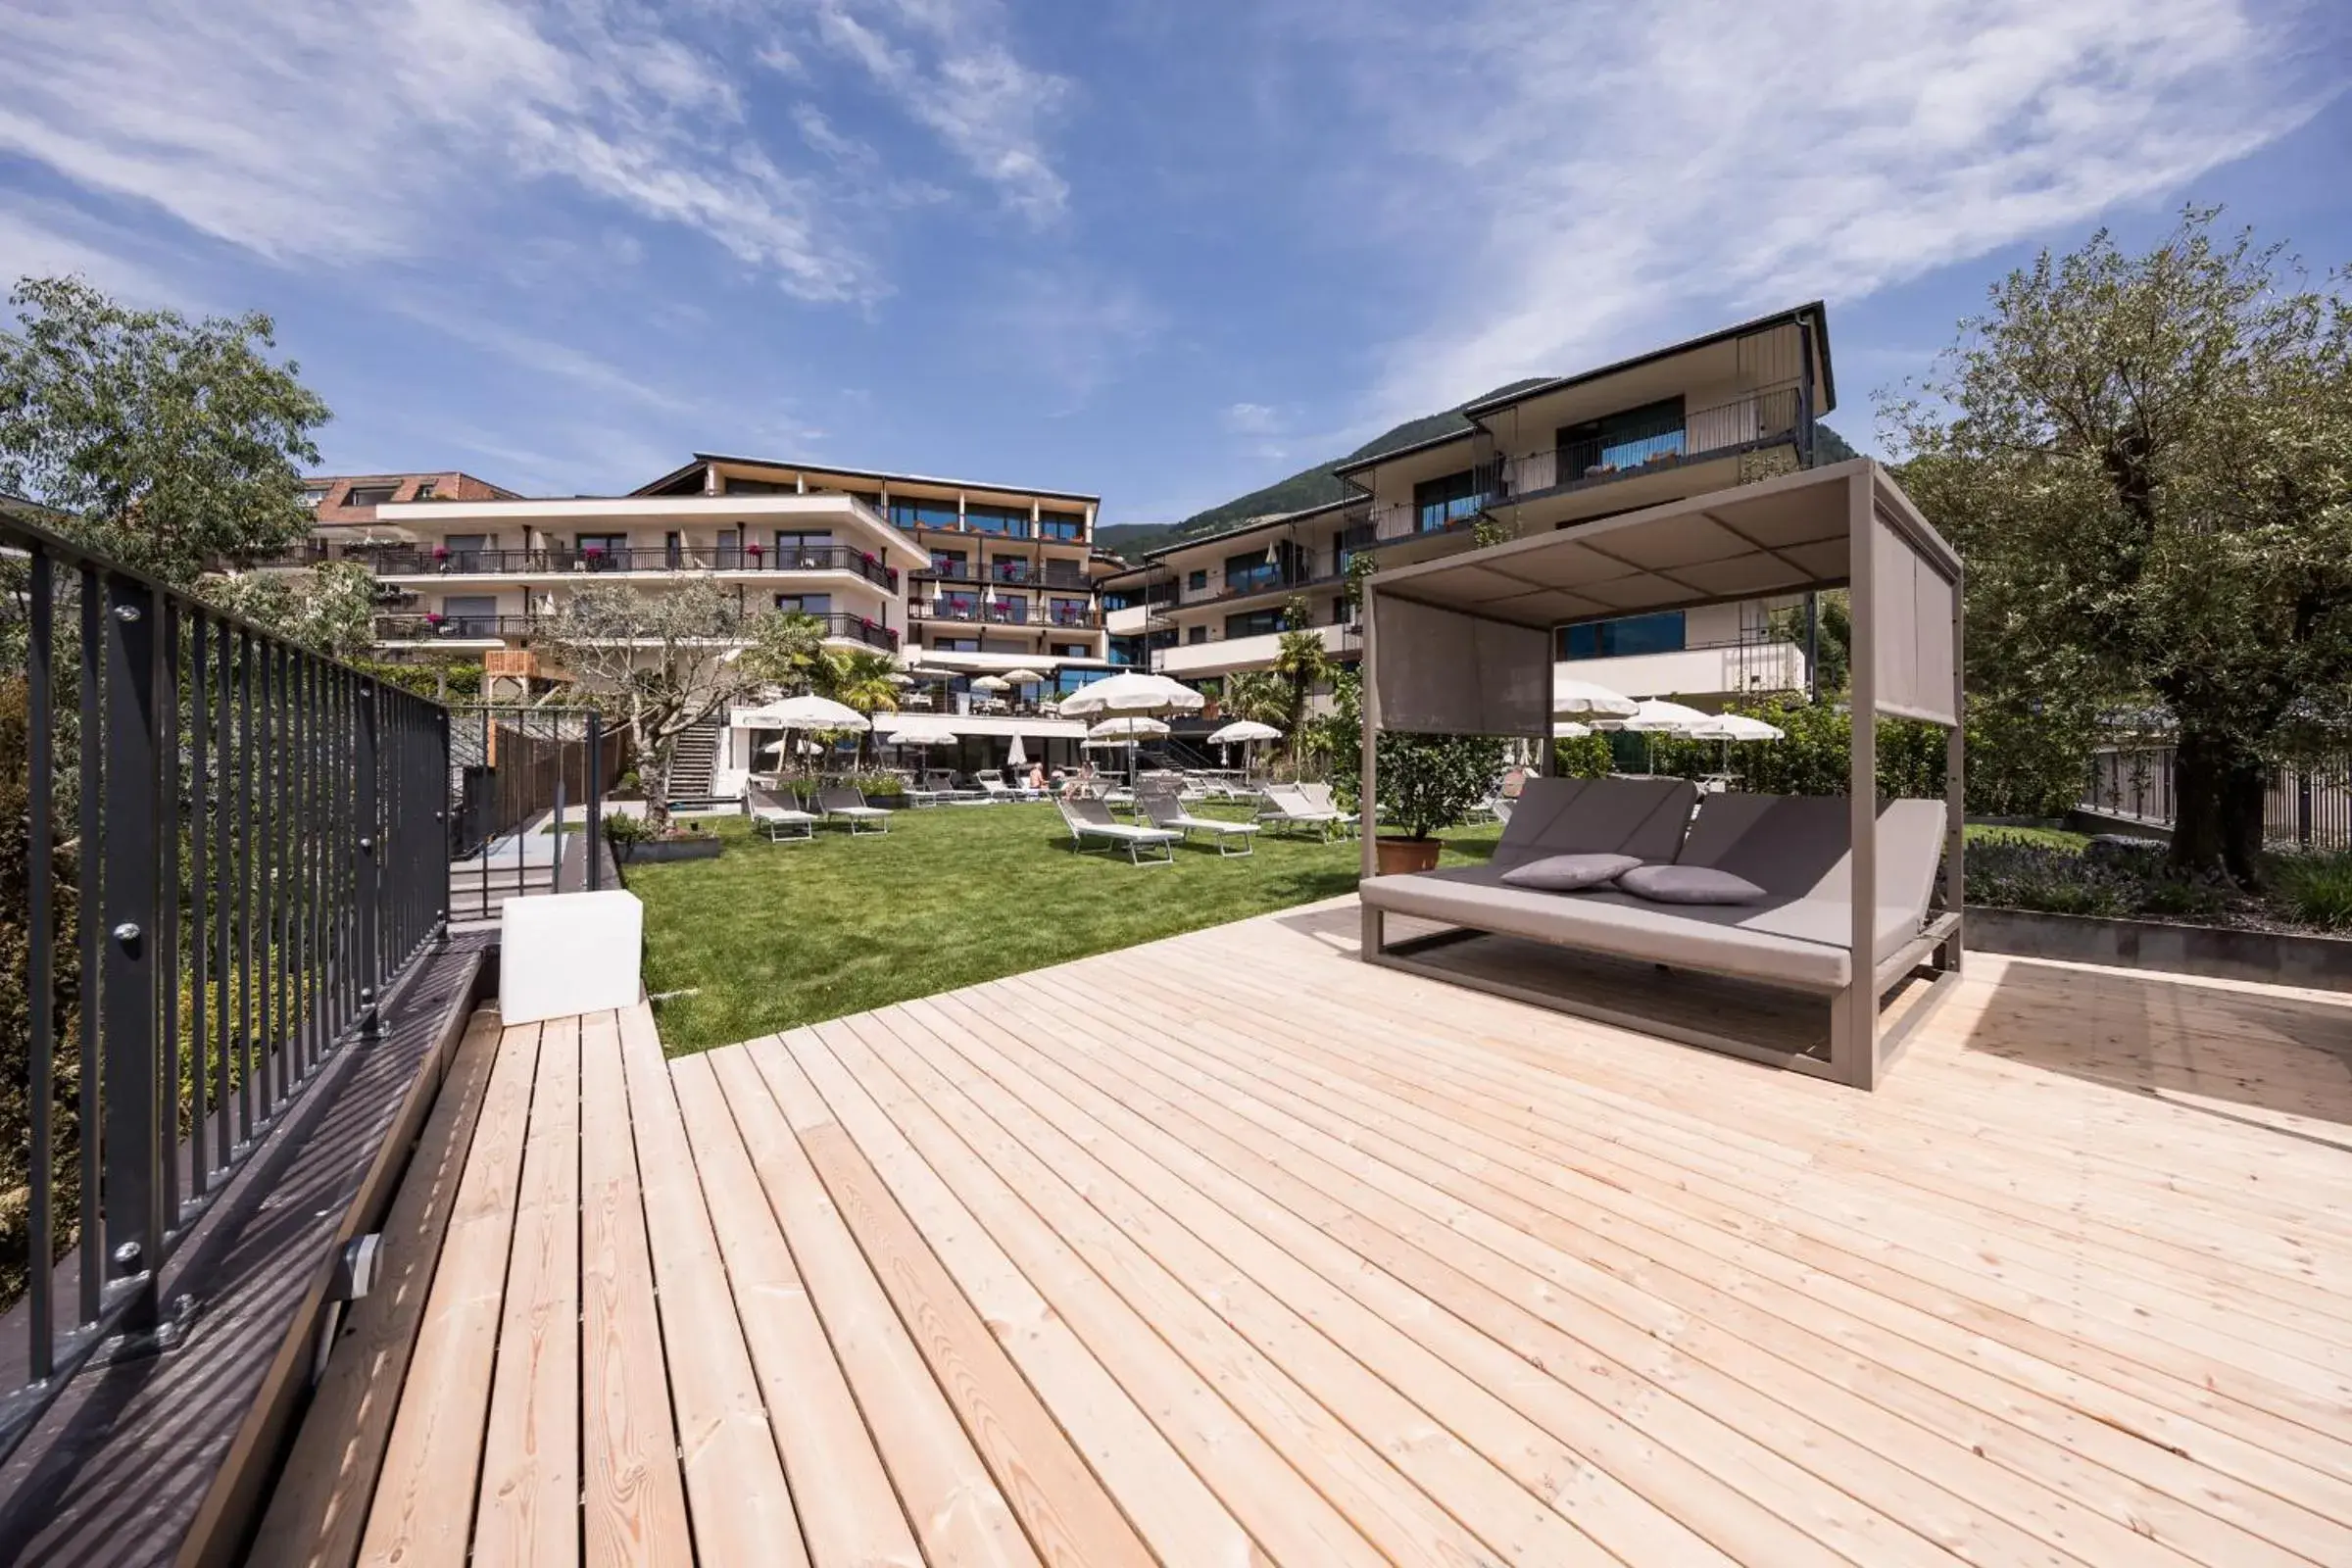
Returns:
(1447,650)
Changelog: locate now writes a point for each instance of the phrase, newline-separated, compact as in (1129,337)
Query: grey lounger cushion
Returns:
(1569,873)
(1687,884)
(1644,817)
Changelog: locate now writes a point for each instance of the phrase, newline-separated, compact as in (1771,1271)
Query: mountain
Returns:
(1316,486)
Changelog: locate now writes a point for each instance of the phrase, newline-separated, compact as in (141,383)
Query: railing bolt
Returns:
(126,612)
(126,933)
(128,1255)
(366,844)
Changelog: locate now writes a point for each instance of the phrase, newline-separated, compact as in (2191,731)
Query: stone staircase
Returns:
(692,766)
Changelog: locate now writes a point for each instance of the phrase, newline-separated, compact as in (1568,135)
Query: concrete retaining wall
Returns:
(2321,962)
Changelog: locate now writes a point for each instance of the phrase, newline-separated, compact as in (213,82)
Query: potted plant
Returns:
(1428,782)
(441,557)
(433,618)
(755,550)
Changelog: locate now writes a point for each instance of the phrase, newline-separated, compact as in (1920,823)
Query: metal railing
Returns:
(1769,417)
(2308,806)
(227,852)
(1019,573)
(430,625)
(1004,614)
(752,556)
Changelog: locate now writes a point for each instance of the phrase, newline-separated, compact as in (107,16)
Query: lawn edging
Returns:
(2215,953)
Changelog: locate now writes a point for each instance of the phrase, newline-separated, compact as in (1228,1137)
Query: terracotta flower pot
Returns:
(1401,857)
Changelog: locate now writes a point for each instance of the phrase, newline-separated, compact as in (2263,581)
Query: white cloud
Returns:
(1251,419)
(1596,185)
(351,134)
(945,65)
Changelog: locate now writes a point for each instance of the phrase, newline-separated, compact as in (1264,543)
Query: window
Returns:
(1119,598)
(998,520)
(424,490)
(1443,503)
(1069,612)
(923,514)
(470,615)
(371,495)
(1124,651)
(316,495)
(811,551)
(609,550)
(1633,634)
(1163,639)
(807,604)
(1197,580)
(1651,434)
(1196,634)
(1009,569)
(1011,610)
(1061,525)
(757,487)
(951,563)
(957,644)
(1253,624)
(1250,573)
(956,606)
(1068,650)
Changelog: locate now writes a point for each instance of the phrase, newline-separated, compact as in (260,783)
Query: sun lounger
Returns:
(780,818)
(993,787)
(1320,798)
(1286,807)
(847,804)
(1089,818)
(1166,810)
(1797,938)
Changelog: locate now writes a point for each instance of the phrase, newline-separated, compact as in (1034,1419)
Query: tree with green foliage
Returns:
(785,651)
(661,663)
(175,446)
(2146,461)
(1300,663)
(330,607)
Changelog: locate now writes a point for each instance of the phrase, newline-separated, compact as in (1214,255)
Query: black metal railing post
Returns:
(367,864)
(41,966)
(130,901)
(595,783)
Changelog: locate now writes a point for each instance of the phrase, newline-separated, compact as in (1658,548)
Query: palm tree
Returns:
(859,679)
(1300,663)
(1257,694)
(787,651)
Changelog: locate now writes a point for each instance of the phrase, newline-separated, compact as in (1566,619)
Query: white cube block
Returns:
(568,952)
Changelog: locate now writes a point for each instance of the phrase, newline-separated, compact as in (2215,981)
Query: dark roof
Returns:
(1817,311)
(700,458)
(1254,526)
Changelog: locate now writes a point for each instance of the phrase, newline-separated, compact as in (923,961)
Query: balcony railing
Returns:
(1006,615)
(723,557)
(1051,575)
(230,851)
(1773,416)
(429,627)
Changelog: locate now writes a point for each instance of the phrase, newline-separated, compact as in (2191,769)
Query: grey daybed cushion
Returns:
(1569,873)
(1644,817)
(1687,884)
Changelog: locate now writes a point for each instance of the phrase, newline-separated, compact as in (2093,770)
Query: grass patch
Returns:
(2052,838)
(770,936)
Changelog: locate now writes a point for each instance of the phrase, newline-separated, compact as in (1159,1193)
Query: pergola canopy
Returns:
(1465,642)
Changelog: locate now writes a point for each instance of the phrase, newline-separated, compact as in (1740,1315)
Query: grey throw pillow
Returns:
(1566,873)
(1689,884)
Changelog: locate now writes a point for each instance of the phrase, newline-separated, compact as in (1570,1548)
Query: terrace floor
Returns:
(1229,1249)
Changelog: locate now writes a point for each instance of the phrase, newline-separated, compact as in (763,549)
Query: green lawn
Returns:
(768,936)
(2048,836)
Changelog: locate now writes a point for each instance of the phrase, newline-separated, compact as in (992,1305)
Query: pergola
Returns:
(1465,645)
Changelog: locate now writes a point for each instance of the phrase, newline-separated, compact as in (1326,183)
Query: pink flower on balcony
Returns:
(755,550)
(440,552)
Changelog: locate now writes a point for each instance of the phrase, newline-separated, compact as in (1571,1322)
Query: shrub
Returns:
(622,828)
(1428,782)
(2315,889)
(1587,756)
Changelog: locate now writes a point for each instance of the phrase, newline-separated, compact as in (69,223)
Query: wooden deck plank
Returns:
(742,1511)
(849,1514)
(2142,1490)
(958,1513)
(1064,1509)
(1283,1512)
(422,1512)
(1228,1250)
(634,1501)
(319,1506)
(529,1508)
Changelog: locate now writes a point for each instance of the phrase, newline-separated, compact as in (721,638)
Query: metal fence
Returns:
(517,775)
(2308,806)
(220,852)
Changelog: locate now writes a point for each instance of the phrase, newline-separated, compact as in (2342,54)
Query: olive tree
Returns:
(661,663)
(2148,463)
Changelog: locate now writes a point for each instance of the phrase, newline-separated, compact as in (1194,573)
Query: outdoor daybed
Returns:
(1808,976)
(1794,848)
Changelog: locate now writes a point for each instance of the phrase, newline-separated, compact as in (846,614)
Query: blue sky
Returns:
(1164,252)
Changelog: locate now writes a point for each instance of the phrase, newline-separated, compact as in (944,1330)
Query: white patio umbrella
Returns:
(1017,755)
(1125,731)
(803,712)
(1242,731)
(1655,716)
(991,683)
(898,677)
(1584,696)
(1024,677)
(1134,692)
(1568,729)
(1730,727)
(917,729)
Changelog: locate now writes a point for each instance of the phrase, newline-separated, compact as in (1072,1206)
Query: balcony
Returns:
(548,562)
(979,612)
(1776,416)
(1744,667)
(429,627)
(1019,573)
(1222,656)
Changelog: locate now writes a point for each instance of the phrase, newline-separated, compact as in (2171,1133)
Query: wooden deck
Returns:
(1230,1250)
